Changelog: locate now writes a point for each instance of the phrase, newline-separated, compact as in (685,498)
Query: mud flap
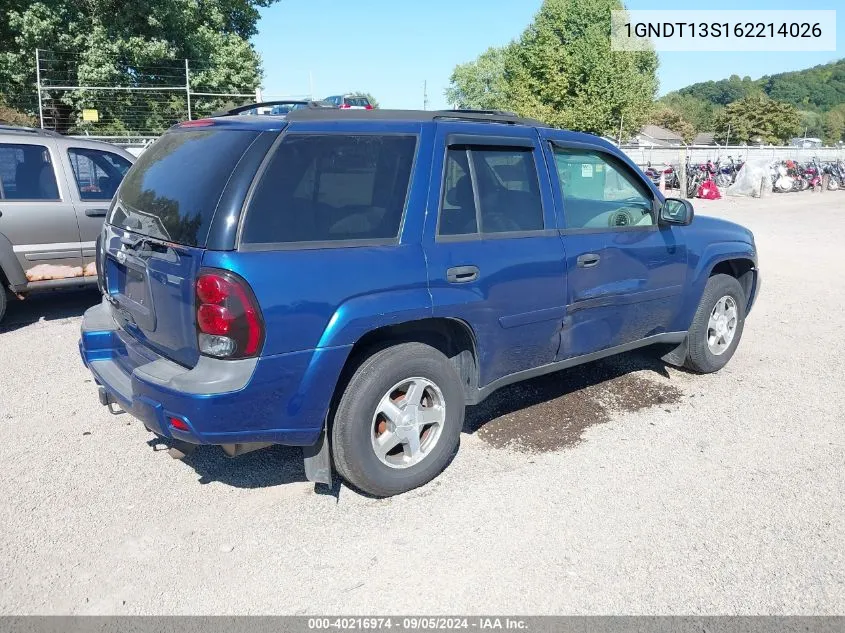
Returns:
(318,461)
(677,356)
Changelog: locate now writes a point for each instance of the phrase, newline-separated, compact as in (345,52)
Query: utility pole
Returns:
(188,87)
(38,87)
(619,138)
(728,137)
(425,95)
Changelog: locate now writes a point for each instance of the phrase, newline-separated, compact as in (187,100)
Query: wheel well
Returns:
(454,338)
(741,269)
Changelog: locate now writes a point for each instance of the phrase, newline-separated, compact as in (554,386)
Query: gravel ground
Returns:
(621,487)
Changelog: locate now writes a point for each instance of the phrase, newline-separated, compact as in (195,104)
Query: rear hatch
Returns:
(155,236)
(356,103)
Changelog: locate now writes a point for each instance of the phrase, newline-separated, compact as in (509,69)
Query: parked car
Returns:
(54,194)
(350,102)
(274,108)
(348,281)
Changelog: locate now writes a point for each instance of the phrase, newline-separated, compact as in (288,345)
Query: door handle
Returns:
(462,274)
(588,260)
(96,213)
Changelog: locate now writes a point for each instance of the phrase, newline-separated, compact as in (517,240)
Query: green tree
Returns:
(127,44)
(12,116)
(700,113)
(671,120)
(834,125)
(811,124)
(480,84)
(756,119)
(563,72)
(369,97)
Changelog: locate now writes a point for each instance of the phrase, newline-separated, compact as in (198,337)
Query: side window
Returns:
(26,173)
(501,181)
(331,188)
(97,173)
(457,209)
(598,193)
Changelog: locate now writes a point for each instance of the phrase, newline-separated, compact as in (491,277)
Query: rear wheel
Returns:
(398,421)
(717,326)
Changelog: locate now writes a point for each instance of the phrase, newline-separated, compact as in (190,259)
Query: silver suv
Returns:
(54,193)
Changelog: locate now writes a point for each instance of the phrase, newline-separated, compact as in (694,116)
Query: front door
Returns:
(495,259)
(36,214)
(625,272)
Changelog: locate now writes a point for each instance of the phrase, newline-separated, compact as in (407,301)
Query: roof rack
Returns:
(489,116)
(8,127)
(497,116)
(268,104)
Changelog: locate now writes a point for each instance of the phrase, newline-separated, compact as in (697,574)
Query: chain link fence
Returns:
(124,103)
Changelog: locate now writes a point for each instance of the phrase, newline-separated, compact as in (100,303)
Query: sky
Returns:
(392,48)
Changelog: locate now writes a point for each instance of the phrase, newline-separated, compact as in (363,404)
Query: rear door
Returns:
(36,213)
(626,273)
(495,259)
(94,176)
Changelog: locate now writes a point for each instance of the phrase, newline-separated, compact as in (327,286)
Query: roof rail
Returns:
(8,127)
(268,104)
(497,116)
(489,116)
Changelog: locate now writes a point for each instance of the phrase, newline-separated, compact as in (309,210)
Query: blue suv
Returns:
(349,280)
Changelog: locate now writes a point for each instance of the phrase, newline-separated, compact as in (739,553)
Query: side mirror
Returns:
(676,211)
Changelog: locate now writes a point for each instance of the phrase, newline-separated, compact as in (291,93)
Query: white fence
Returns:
(643,155)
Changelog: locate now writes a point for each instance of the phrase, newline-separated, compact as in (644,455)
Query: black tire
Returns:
(699,356)
(3,301)
(352,425)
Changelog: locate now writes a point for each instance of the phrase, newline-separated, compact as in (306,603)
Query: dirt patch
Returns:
(552,412)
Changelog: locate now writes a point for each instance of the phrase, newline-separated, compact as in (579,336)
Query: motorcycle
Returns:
(782,182)
(670,176)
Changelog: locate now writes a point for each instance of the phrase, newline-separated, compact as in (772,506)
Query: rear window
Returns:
(330,188)
(171,192)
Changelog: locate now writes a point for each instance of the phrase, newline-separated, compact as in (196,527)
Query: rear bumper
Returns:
(280,399)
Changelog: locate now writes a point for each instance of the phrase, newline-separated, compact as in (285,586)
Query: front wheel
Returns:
(717,326)
(398,422)
(3,301)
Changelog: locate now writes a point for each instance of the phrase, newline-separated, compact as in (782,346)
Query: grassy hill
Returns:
(817,89)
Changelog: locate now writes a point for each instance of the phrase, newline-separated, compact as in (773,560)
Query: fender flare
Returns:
(10,265)
(360,315)
(718,252)
(712,255)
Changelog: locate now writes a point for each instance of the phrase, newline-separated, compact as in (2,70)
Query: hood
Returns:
(718,230)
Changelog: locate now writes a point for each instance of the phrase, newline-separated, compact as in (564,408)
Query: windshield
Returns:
(172,191)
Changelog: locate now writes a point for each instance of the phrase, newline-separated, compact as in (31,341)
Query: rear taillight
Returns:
(229,321)
(368,107)
(345,106)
